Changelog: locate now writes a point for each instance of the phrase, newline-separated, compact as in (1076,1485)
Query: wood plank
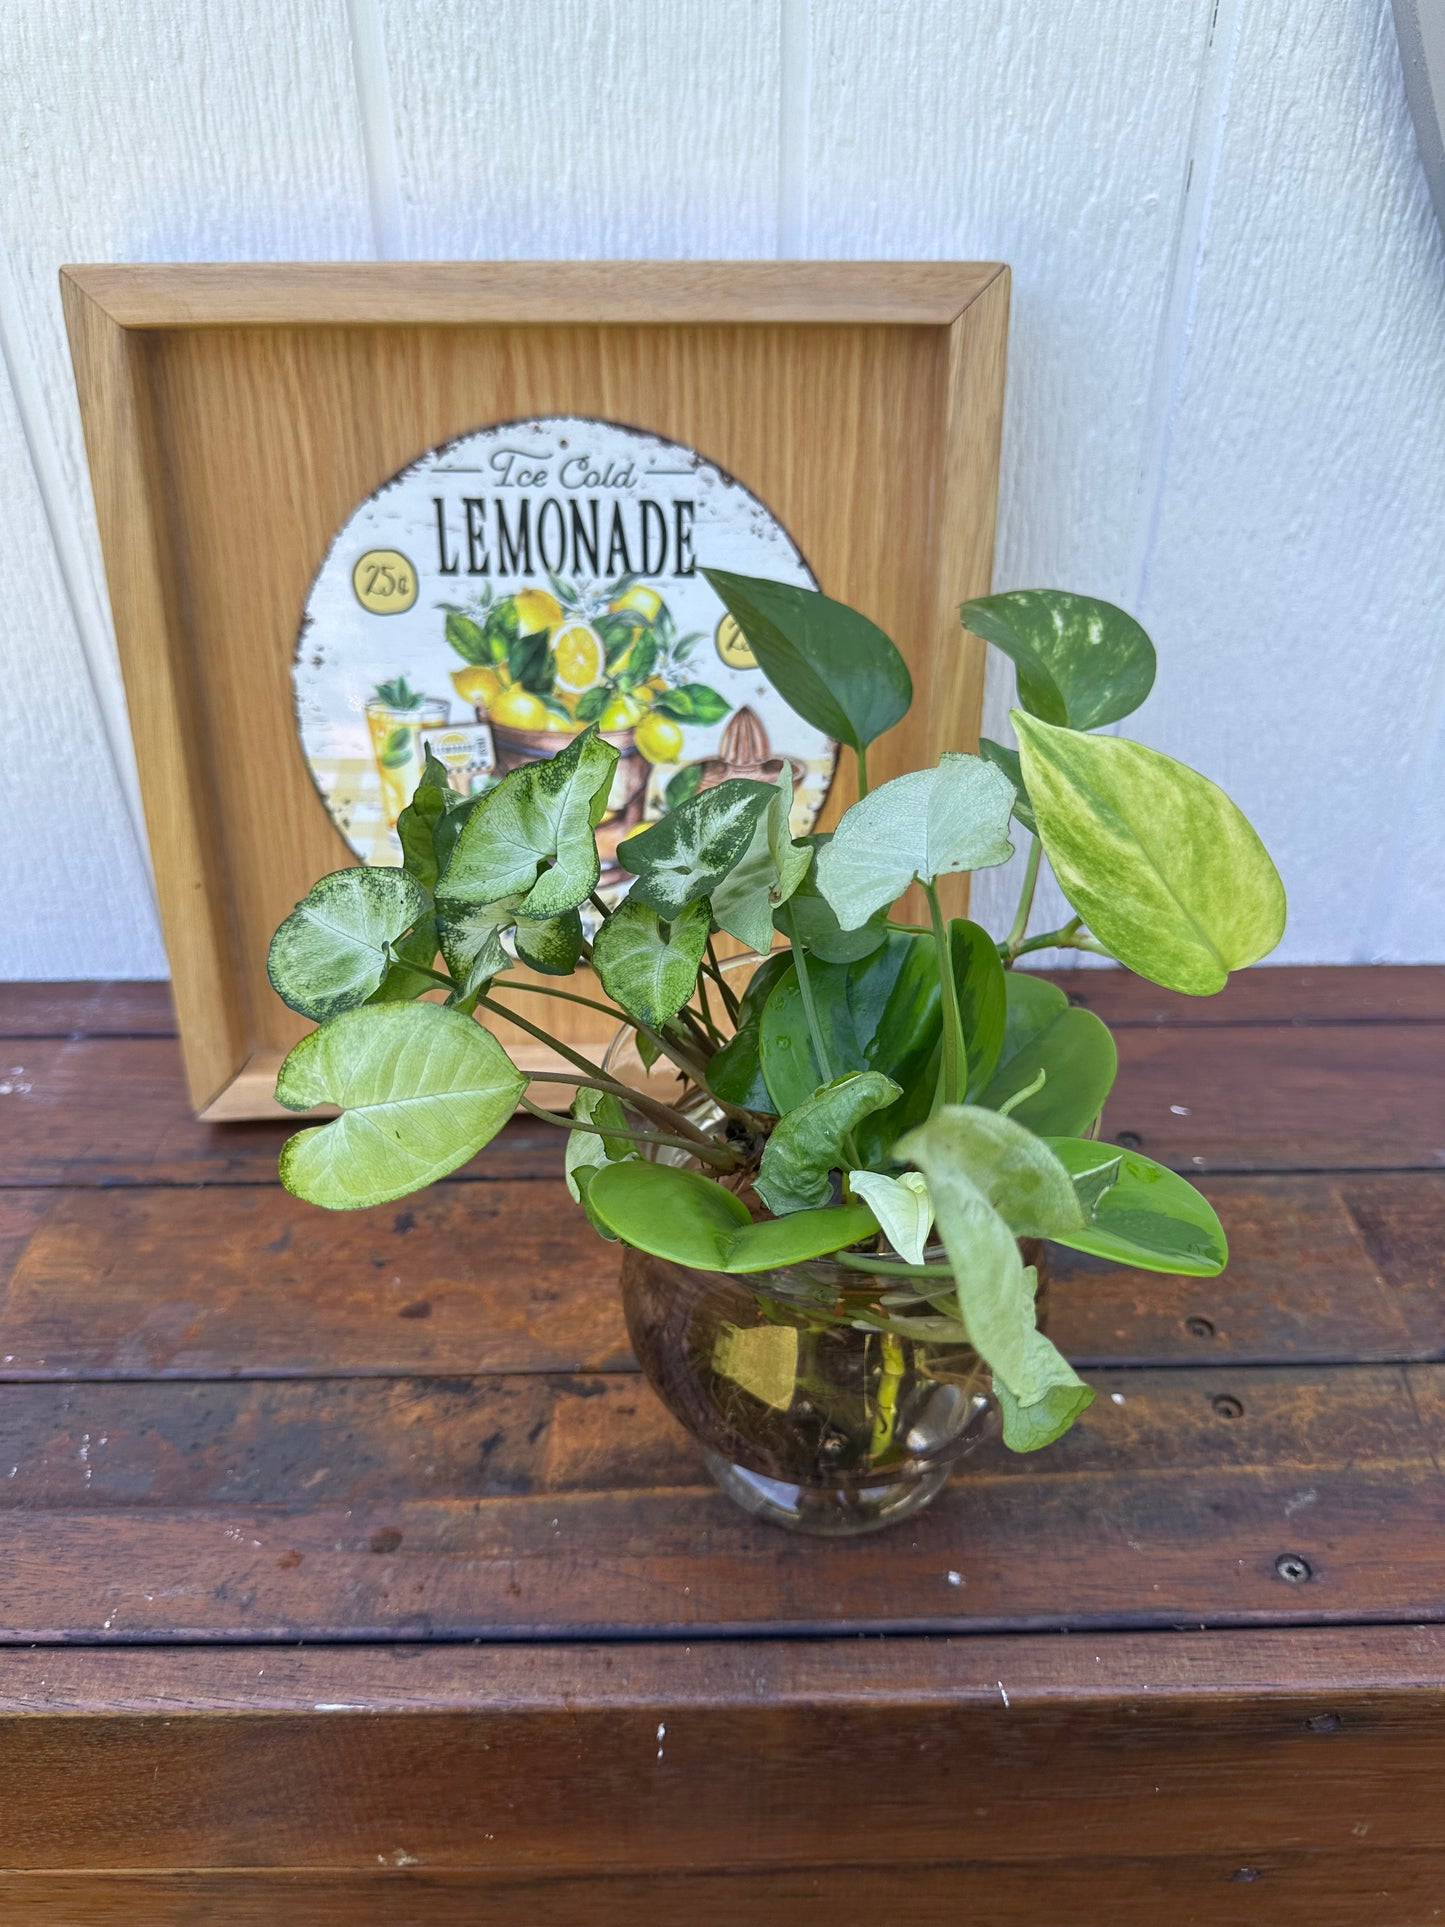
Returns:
(1173,1502)
(442,293)
(100,1009)
(1235,1746)
(245,1280)
(1273,994)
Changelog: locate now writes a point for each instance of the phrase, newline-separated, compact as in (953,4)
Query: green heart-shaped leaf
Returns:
(422,1089)
(1080,661)
(331,952)
(553,946)
(807,1144)
(773,1243)
(691,1220)
(1149,1217)
(1016,1172)
(925,824)
(837,669)
(766,875)
(1044,1032)
(679,859)
(1156,859)
(980,982)
(647,966)
(542,813)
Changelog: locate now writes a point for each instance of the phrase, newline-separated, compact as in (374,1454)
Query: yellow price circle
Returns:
(732,646)
(384,581)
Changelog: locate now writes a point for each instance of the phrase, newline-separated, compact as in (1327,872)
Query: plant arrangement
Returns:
(609,654)
(889,1096)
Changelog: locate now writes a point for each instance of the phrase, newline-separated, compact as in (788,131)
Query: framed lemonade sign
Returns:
(517,584)
(355,512)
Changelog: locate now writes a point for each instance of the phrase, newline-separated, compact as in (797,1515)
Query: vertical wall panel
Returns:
(1299,575)
(588,128)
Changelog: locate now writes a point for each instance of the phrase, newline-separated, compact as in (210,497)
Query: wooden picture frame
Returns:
(235,415)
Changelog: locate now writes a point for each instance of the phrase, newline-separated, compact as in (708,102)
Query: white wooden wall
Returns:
(1227,383)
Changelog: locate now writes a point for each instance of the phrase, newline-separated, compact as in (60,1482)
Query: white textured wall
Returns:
(1227,383)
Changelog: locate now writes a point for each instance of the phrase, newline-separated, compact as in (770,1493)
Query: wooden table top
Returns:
(351,1573)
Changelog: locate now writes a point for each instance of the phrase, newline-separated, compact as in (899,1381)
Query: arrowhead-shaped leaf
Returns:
(1008,761)
(471,940)
(902,1207)
(416,827)
(807,1144)
(679,859)
(553,946)
(766,875)
(1156,859)
(331,952)
(1044,1032)
(1080,662)
(541,814)
(647,966)
(831,664)
(809,913)
(691,1220)
(925,824)
(421,1088)
(1149,1217)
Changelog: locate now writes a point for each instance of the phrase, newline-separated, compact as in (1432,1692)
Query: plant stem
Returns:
(1013,946)
(911,929)
(810,1009)
(707,1016)
(598,905)
(425,970)
(721,1157)
(569,997)
(953,1053)
(730,1002)
(1069,936)
(862,758)
(889,1268)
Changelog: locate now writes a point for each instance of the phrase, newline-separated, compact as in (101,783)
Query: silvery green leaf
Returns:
(1065,1396)
(471,940)
(544,813)
(421,1089)
(553,946)
(679,859)
(1161,865)
(647,966)
(1080,661)
(902,1207)
(331,952)
(807,1144)
(809,914)
(767,874)
(925,824)
(967,1170)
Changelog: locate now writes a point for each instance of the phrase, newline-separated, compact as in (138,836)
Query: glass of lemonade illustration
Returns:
(396,716)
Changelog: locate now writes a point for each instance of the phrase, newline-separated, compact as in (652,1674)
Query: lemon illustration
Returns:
(640,599)
(479,685)
(518,708)
(621,713)
(659,738)
(535,610)
(577,652)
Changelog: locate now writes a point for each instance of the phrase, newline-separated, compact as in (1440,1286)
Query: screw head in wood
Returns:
(1294,1570)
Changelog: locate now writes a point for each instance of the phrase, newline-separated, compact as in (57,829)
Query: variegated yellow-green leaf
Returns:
(1161,865)
(1080,661)
(471,940)
(553,946)
(925,824)
(421,1089)
(807,1143)
(647,966)
(331,952)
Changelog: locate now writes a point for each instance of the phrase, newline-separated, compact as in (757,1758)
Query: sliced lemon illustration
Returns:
(578,654)
(659,738)
(518,708)
(536,610)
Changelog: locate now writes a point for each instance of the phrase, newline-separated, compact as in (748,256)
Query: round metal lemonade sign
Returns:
(515,585)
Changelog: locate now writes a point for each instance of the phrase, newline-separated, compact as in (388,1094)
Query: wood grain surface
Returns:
(351,1572)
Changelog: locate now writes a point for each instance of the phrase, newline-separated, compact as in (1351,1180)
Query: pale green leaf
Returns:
(589,1147)
(808,916)
(902,1207)
(679,859)
(421,1090)
(553,946)
(1064,1398)
(471,940)
(647,966)
(1148,1216)
(544,813)
(767,874)
(807,1144)
(1073,1049)
(1156,859)
(1080,661)
(925,824)
(331,952)
(1016,1172)
(692,1220)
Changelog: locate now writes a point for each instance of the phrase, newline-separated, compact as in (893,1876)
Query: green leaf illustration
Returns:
(679,859)
(541,814)
(1161,865)
(331,952)
(1149,1217)
(646,965)
(765,876)
(925,824)
(422,1089)
(689,702)
(467,638)
(1080,662)
(807,1144)
(831,664)
(1076,1053)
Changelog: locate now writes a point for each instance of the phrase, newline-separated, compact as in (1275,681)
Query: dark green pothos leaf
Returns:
(735,1074)
(1080,662)
(1044,1032)
(332,952)
(1148,1216)
(679,859)
(979,981)
(1008,761)
(807,1145)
